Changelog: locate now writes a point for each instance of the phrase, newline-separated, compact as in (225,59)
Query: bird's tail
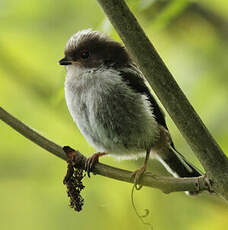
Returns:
(178,166)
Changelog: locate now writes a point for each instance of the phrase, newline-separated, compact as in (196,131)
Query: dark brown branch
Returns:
(166,88)
(166,184)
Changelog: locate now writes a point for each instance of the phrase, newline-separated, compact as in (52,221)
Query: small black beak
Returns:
(65,61)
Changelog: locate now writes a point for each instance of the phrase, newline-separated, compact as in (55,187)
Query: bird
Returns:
(109,99)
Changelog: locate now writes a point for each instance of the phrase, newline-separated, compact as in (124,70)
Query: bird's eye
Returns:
(84,54)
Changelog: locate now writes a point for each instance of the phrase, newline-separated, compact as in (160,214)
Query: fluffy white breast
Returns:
(112,117)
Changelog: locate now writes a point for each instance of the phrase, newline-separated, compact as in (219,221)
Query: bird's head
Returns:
(92,49)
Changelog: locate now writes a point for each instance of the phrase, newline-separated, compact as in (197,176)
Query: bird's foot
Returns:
(91,161)
(137,175)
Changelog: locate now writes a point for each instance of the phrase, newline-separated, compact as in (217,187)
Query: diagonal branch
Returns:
(166,88)
(166,184)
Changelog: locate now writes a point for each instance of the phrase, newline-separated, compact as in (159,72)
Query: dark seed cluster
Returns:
(74,187)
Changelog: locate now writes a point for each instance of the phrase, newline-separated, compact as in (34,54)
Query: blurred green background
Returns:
(192,39)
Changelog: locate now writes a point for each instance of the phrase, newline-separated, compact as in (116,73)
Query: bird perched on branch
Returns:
(109,100)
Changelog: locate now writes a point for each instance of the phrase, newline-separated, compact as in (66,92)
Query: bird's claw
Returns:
(91,161)
(137,175)
(89,164)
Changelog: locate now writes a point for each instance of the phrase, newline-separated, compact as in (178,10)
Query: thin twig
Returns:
(166,184)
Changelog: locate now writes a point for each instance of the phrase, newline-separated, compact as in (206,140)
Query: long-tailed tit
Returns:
(112,106)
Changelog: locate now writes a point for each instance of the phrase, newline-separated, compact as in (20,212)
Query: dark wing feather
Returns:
(132,78)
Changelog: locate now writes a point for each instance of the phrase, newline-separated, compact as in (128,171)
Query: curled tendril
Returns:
(147,212)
